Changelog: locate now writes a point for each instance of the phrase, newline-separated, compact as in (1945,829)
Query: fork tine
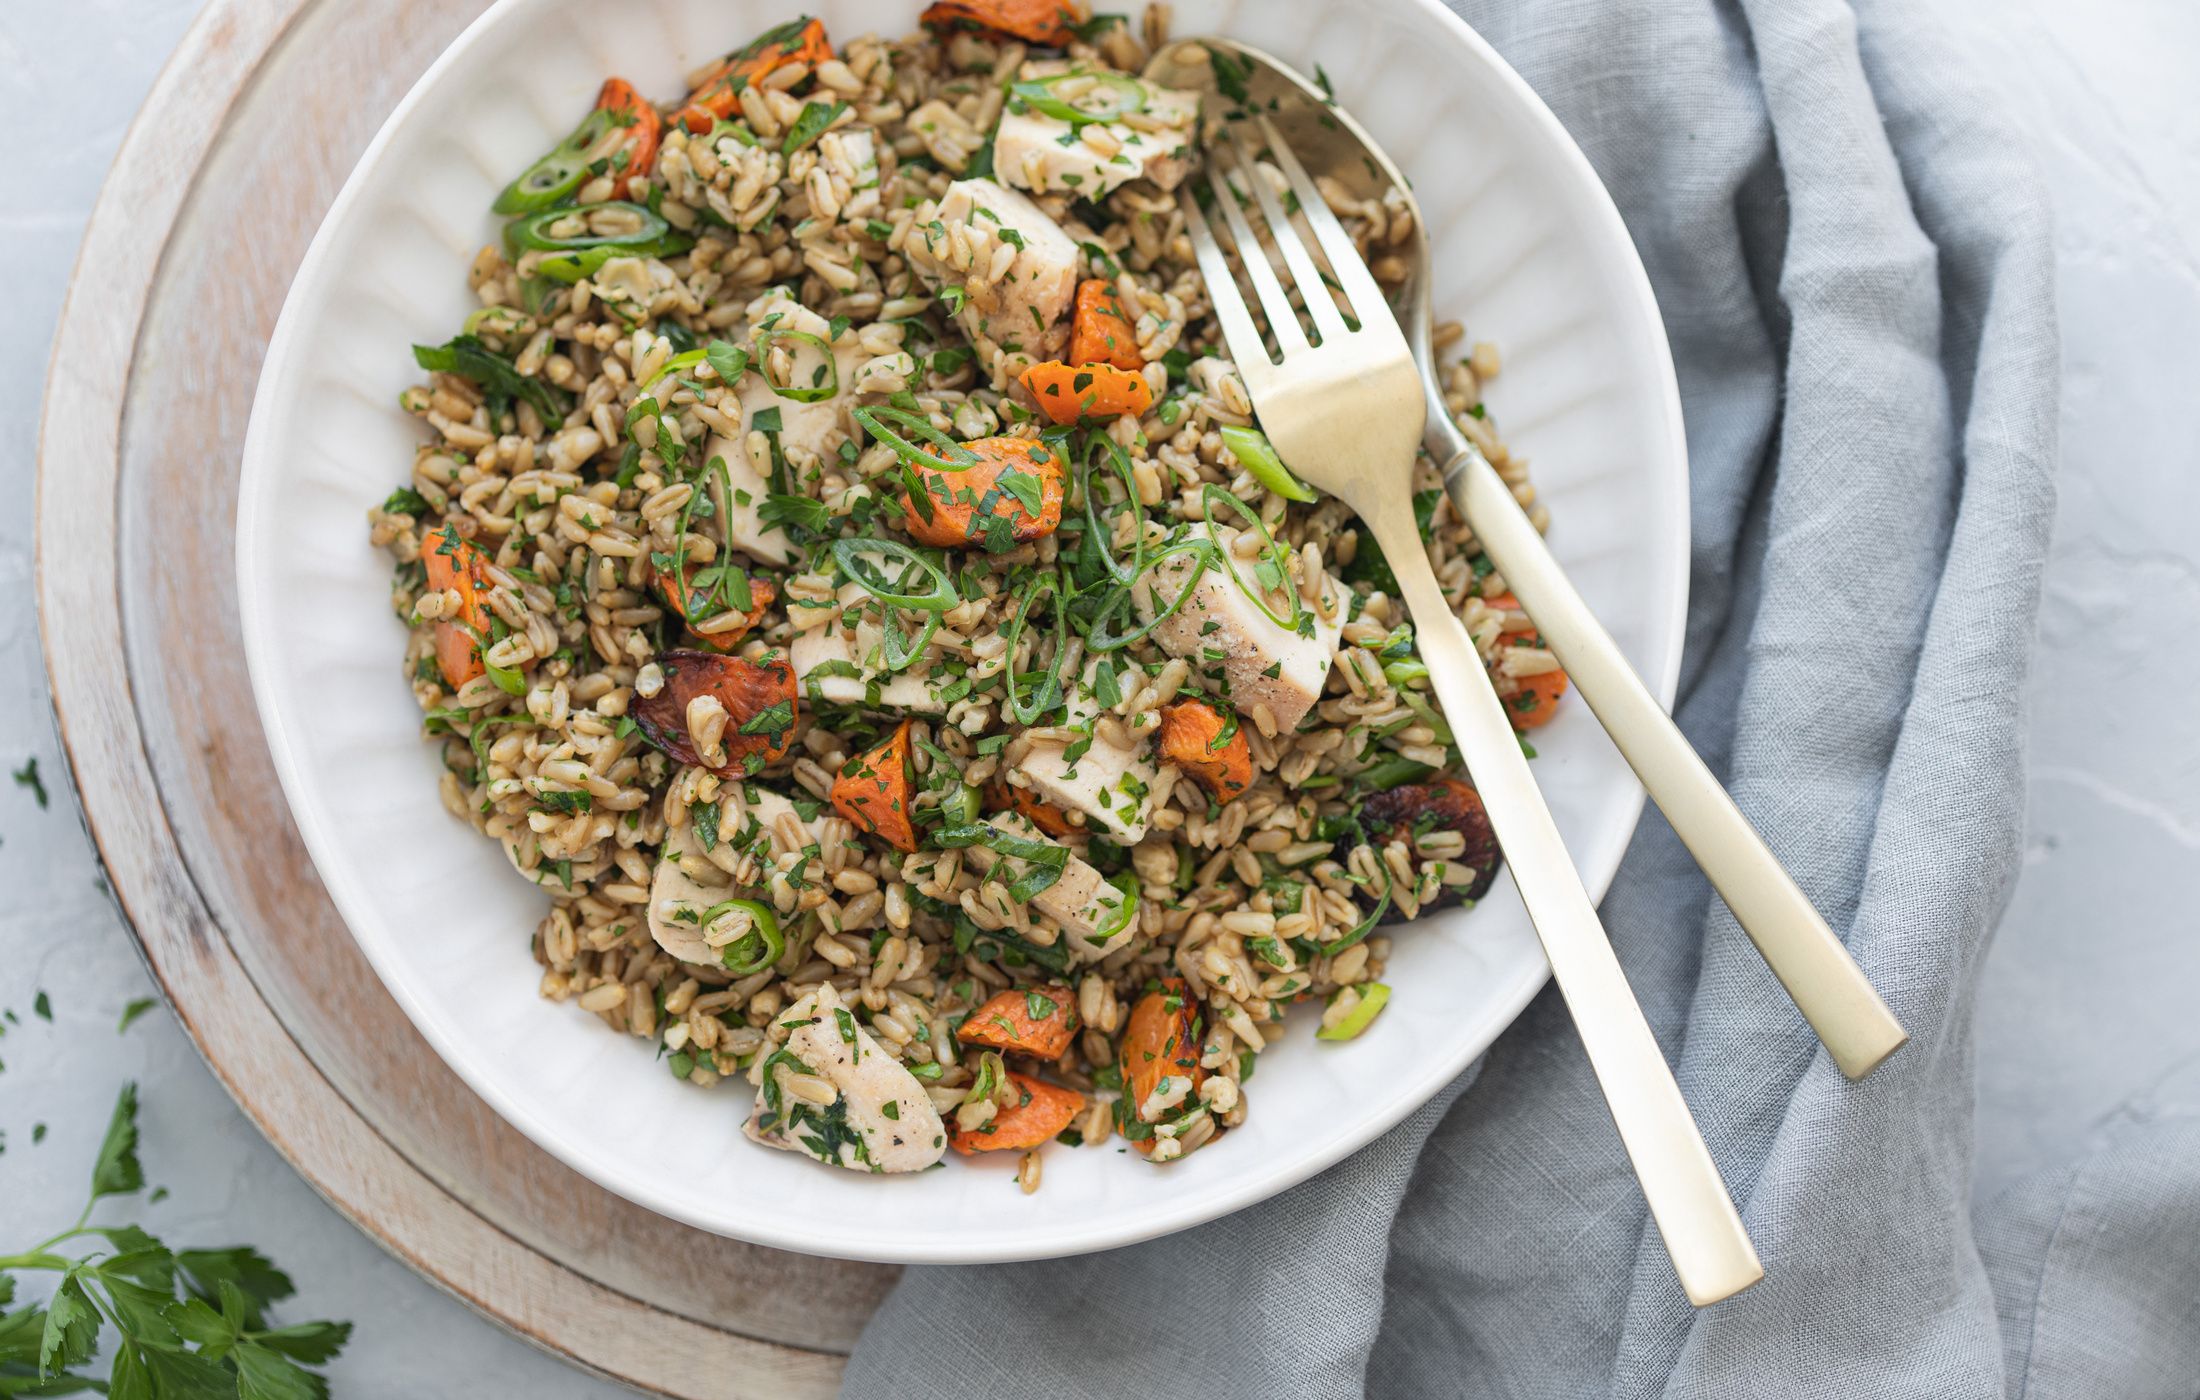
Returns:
(1344,260)
(1282,319)
(1319,303)
(1238,329)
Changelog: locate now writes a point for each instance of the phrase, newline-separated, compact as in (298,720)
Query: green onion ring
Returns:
(558,174)
(875,419)
(764,929)
(1121,461)
(1257,455)
(1051,693)
(815,393)
(848,554)
(1098,641)
(529,233)
(1211,493)
(1039,95)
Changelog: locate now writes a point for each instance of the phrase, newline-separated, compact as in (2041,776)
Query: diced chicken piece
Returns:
(809,433)
(1091,912)
(689,881)
(880,1118)
(745,528)
(1112,786)
(1015,267)
(1226,636)
(857,639)
(1044,154)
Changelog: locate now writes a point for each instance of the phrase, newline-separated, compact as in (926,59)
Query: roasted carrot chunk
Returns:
(1100,334)
(872,791)
(710,599)
(1001,796)
(957,509)
(1209,745)
(1070,393)
(696,119)
(759,701)
(1041,1110)
(1160,1042)
(454,562)
(1050,22)
(636,154)
(1441,804)
(1535,703)
(1038,1021)
(799,40)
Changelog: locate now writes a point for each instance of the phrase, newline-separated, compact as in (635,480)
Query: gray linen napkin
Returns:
(1853,261)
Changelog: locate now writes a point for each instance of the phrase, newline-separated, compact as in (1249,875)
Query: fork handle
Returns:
(1820,977)
(1710,1250)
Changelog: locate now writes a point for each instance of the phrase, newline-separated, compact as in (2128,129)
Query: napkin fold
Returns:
(1852,256)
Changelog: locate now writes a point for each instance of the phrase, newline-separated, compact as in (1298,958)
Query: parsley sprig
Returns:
(189,1324)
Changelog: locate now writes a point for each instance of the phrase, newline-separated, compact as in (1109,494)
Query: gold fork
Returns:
(1344,407)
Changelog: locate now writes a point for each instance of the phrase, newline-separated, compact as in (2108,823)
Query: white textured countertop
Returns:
(2086,1014)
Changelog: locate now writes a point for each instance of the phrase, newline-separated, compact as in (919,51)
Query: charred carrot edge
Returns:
(749,690)
(1160,1038)
(1099,332)
(720,90)
(1210,746)
(1070,393)
(1001,796)
(1006,1022)
(1041,1111)
(872,791)
(453,561)
(643,132)
(956,502)
(1050,22)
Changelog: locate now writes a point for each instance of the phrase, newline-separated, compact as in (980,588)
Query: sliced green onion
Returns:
(1050,691)
(1254,453)
(881,421)
(1418,703)
(533,232)
(560,172)
(1208,496)
(1121,462)
(960,806)
(1097,640)
(1405,673)
(755,950)
(850,556)
(1374,996)
(1393,771)
(576,266)
(686,359)
(1364,927)
(811,393)
(1122,93)
(1127,883)
(902,649)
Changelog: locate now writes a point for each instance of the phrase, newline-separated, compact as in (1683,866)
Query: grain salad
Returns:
(844,572)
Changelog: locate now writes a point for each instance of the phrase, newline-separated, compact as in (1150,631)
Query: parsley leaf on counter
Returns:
(189,1324)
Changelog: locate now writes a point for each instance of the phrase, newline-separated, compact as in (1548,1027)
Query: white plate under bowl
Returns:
(1530,253)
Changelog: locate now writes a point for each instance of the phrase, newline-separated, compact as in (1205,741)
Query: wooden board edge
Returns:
(80,619)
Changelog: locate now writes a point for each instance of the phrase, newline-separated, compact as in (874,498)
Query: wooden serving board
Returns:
(217,190)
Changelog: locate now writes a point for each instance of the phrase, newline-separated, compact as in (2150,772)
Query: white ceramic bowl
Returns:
(1530,253)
